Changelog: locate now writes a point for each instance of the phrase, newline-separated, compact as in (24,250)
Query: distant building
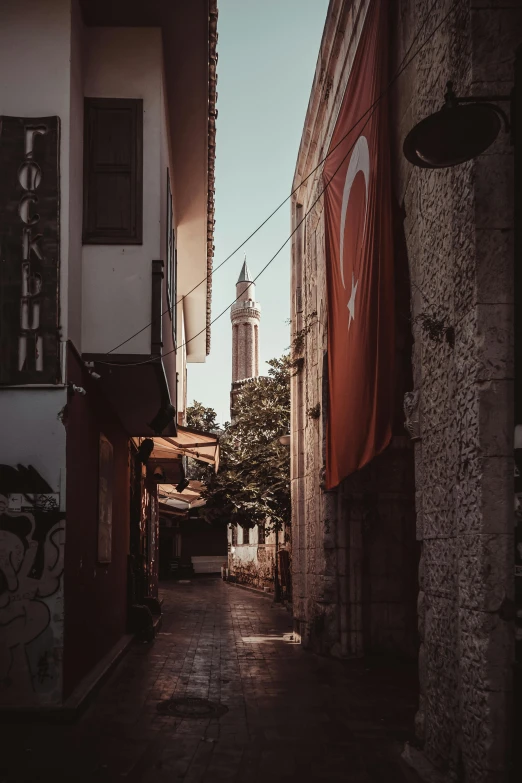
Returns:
(251,550)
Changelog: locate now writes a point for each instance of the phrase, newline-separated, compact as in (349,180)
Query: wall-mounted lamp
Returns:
(159,475)
(461,130)
(183,484)
(162,419)
(145,449)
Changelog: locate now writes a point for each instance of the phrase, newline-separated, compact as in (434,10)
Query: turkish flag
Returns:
(359,262)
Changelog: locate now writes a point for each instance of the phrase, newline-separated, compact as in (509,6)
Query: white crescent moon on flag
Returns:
(360,161)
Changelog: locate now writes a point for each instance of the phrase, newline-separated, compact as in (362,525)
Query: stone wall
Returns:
(457,230)
(320,531)
(251,563)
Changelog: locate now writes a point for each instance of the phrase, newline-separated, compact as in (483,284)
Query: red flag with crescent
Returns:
(359,262)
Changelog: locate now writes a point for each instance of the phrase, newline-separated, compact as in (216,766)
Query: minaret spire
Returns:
(244,275)
(245,315)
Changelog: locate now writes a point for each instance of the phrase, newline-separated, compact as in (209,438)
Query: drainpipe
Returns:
(177,396)
(277,593)
(516,124)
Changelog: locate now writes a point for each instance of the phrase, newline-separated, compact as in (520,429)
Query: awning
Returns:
(184,501)
(188,443)
(167,452)
(136,391)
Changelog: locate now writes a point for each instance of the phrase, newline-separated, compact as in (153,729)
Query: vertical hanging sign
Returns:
(29,250)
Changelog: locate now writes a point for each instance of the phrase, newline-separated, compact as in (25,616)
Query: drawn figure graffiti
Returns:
(31,566)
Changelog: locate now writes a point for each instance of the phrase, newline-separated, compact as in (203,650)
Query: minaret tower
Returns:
(245,315)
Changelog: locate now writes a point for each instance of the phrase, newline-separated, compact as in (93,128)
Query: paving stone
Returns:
(291,716)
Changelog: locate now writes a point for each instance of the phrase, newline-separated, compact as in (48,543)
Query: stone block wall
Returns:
(457,227)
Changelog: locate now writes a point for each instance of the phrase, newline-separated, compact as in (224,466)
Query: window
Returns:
(261,533)
(113,167)
(234,535)
(246,535)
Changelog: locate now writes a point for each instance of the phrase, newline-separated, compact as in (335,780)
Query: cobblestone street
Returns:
(291,716)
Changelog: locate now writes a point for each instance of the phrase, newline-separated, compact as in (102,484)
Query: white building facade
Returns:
(107,139)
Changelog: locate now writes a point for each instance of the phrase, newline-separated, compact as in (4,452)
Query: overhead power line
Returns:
(404,64)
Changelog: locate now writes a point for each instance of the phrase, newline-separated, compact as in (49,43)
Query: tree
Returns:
(252,485)
(201,418)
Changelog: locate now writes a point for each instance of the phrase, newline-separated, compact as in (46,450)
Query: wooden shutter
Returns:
(113,169)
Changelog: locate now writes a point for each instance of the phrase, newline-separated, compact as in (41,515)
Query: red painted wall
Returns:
(95,594)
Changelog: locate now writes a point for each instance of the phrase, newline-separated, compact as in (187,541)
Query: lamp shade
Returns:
(453,135)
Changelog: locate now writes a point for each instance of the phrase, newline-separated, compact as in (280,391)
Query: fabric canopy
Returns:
(195,444)
(359,262)
(189,498)
(188,443)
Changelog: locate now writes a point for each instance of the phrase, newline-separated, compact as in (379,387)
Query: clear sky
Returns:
(267,56)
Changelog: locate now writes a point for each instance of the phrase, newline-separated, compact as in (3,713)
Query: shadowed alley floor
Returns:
(292,716)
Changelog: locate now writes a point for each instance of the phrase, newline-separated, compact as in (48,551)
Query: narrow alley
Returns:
(283,714)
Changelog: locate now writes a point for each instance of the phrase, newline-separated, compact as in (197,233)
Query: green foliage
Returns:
(253,481)
(201,418)
(299,341)
(297,361)
(315,411)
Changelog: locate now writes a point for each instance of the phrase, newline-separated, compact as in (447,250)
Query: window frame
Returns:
(91,235)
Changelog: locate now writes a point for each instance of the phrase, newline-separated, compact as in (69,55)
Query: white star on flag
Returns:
(351,302)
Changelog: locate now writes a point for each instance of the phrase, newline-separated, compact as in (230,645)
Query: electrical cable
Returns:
(372,108)
(227,308)
(378,99)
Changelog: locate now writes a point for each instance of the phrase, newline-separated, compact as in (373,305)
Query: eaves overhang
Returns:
(212,117)
(189,30)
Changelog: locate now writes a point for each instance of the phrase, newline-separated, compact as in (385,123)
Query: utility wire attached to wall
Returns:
(402,67)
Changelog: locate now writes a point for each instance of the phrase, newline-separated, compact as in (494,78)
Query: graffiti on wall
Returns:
(32,541)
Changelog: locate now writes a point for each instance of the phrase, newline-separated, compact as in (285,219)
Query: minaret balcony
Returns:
(251,309)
